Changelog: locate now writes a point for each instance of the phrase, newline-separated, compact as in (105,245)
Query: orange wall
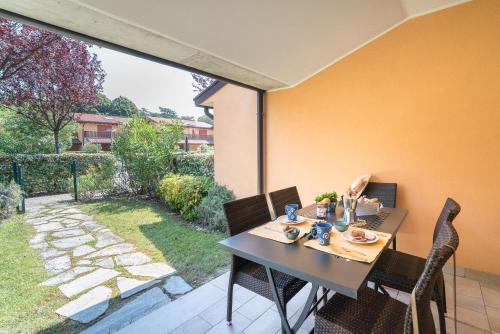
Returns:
(419,106)
(235,139)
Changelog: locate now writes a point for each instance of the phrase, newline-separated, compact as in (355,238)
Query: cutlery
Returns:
(271,229)
(353,251)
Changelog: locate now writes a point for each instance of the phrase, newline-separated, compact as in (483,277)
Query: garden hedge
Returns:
(50,173)
(194,163)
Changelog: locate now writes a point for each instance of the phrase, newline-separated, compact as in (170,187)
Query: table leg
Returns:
(285,325)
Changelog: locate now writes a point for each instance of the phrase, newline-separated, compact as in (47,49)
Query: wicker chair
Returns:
(401,271)
(242,215)
(374,312)
(280,198)
(385,192)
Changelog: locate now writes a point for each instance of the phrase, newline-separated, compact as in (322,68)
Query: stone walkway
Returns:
(91,265)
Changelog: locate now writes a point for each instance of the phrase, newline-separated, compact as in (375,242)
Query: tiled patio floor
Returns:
(204,310)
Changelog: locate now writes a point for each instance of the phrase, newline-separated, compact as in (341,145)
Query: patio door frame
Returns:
(116,47)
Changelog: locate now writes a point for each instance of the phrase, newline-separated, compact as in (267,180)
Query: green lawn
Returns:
(24,306)
(156,232)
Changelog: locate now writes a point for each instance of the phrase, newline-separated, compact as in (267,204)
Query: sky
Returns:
(148,84)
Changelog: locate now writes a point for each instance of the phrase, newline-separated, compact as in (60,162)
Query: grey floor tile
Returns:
(242,294)
(239,323)
(174,314)
(217,312)
(221,281)
(269,322)
(255,307)
(195,325)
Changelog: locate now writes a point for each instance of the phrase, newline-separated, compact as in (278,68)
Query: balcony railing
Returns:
(208,138)
(99,134)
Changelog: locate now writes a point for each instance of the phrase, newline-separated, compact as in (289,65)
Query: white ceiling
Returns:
(267,44)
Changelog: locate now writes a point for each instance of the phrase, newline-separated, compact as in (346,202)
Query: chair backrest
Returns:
(450,210)
(385,192)
(444,246)
(284,196)
(246,213)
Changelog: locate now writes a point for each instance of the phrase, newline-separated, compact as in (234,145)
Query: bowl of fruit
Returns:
(325,204)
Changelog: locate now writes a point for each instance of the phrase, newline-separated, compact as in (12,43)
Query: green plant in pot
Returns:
(330,199)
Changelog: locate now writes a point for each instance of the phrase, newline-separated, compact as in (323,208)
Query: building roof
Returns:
(185,123)
(207,92)
(93,118)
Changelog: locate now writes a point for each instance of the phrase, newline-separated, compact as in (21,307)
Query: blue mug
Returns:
(291,211)
(321,231)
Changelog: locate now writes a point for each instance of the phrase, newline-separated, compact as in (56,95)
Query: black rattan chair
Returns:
(242,215)
(374,312)
(280,198)
(385,192)
(401,271)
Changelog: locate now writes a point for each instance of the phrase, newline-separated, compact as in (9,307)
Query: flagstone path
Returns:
(91,266)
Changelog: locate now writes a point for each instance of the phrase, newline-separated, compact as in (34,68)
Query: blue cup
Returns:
(321,231)
(291,211)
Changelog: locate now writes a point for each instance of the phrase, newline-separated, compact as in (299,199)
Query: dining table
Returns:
(321,269)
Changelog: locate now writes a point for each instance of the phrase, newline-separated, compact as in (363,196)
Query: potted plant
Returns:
(326,203)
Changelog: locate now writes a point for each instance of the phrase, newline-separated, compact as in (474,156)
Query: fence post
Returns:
(186,144)
(20,175)
(14,171)
(73,171)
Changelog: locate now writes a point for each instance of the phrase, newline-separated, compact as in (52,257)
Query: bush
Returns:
(97,181)
(211,211)
(10,195)
(50,173)
(184,193)
(146,152)
(191,163)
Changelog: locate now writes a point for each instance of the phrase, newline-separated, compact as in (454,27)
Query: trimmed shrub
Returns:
(193,163)
(51,173)
(184,193)
(211,211)
(10,195)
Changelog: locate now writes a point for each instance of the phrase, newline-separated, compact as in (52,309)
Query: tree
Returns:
(167,112)
(187,118)
(122,106)
(206,119)
(54,84)
(201,82)
(19,135)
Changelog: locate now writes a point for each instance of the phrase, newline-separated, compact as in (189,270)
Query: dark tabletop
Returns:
(329,271)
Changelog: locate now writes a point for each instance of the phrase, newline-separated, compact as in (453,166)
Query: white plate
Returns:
(284,220)
(347,236)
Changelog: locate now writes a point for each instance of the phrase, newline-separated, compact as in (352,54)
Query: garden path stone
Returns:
(130,286)
(58,264)
(175,285)
(112,250)
(84,263)
(70,211)
(132,259)
(145,303)
(156,270)
(51,252)
(106,238)
(48,227)
(79,216)
(41,222)
(39,237)
(72,224)
(92,226)
(83,250)
(66,276)
(40,245)
(88,281)
(88,306)
(72,242)
(106,262)
(68,233)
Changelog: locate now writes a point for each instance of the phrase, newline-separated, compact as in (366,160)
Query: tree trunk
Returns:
(56,141)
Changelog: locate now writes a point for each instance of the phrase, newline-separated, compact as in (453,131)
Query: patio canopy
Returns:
(264,44)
